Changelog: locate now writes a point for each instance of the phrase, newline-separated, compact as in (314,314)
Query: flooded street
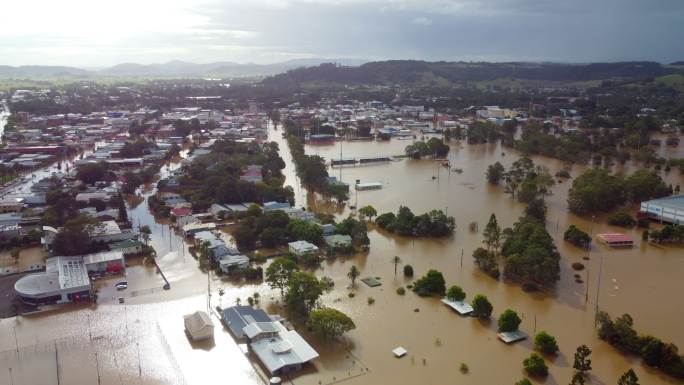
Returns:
(142,341)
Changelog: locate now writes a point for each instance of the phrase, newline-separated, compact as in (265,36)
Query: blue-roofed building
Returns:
(237,317)
(270,206)
(668,209)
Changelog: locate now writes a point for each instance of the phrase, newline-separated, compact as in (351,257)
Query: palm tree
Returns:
(353,274)
(221,293)
(396,261)
(145,231)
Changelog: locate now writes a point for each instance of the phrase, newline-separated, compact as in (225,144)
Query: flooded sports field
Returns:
(142,341)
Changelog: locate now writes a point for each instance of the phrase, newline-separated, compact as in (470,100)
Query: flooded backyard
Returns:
(142,341)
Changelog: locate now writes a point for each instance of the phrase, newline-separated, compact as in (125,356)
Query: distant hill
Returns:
(412,72)
(36,71)
(174,68)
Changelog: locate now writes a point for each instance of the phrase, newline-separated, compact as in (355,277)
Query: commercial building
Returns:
(669,209)
(65,279)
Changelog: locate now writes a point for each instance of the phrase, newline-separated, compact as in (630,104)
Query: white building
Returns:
(302,248)
(199,326)
(65,279)
(279,350)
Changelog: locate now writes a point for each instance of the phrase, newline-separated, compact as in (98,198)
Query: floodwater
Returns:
(644,281)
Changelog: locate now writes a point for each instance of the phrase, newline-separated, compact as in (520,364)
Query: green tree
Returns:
(509,321)
(629,378)
(545,343)
(353,274)
(279,272)
(582,362)
(577,237)
(482,308)
(329,323)
(577,379)
(492,234)
(524,381)
(596,190)
(408,271)
(368,212)
(455,293)
(396,261)
(495,172)
(431,283)
(644,184)
(303,292)
(535,366)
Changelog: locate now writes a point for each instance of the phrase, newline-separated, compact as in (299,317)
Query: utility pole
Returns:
(461,258)
(137,347)
(598,288)
(97,367)
(57,362)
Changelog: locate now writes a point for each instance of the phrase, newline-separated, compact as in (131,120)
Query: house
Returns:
(302,248)
(10,206)
(237,317)
(87,197)
(228,263)
(328,228)
(222,251)
(181,212)
(196,227)
(199,326)
(127,247)
(283,351)
(338,241)
(279,350)
(107,232)
(270,206)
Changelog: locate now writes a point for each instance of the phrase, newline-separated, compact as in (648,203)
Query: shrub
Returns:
(545,343)
(431,283)
(621,218)
(371,300)
(578,266)
(524,381)
(455,293)
(577,237)
(408,271)
(401,291)
(509,321)
(482,308)
(535,365)
(464,368)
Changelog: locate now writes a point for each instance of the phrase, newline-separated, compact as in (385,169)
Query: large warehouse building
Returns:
(670,209)
(67,279)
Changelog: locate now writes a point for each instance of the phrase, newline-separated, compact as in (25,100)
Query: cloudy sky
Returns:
(95,33)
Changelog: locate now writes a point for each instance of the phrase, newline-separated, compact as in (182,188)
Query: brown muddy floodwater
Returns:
(644,281)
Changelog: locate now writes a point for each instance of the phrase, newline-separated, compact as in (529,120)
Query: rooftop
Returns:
(675,202)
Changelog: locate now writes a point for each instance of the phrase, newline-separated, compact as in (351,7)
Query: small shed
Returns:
(511,337)
(460,307)
(199,326)
(399,352)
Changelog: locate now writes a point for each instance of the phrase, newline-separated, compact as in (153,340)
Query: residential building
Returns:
(302,248)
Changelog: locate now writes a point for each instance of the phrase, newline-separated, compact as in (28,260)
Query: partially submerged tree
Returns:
(329,323)
(509,321)
(353,274)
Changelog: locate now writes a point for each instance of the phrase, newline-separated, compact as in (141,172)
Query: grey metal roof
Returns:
(237,317)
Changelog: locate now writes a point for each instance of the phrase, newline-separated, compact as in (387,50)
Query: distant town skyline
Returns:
(90,33)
